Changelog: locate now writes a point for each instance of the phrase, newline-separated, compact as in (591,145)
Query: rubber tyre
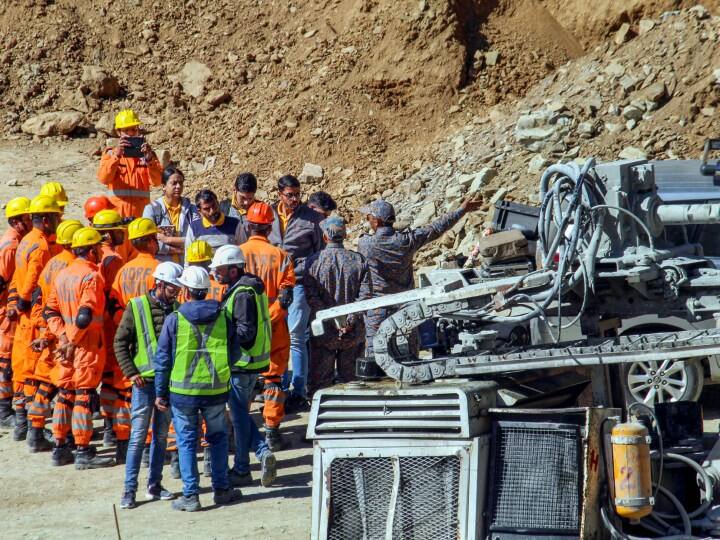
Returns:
(692,374)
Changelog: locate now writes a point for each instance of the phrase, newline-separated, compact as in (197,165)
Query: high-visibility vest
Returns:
(201,358)
(257,358)
(144,359)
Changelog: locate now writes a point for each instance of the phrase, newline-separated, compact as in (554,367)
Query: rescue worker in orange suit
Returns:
(135,278)
(40,410)
(115,391)
(275,268)
(33,253)
(74,313)
(200,253)
(129,178)
(17,214)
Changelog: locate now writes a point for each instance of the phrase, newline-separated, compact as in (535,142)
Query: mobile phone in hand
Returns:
(134,150)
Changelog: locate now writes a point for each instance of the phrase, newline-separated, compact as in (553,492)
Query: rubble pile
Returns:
(652,91)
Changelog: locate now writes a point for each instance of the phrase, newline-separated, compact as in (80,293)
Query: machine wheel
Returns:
(652,382)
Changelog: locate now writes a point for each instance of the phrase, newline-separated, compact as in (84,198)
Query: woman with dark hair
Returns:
(172,213)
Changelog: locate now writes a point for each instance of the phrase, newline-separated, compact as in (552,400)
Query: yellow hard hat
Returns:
(107,220)
(17,207)
(85,237)
(56,191)
(126,119)
(42,204)
(66,230)
(141,227)
(199,251)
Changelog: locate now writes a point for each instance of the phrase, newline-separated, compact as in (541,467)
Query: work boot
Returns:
(49,436)
(127,501)
(226,496)
(62,455)
(145,460)
(36,440)
(186,504)
(274,440)
(240,480)
(7,414)
(21,425)
(109,438)
(86,458)
(268,469)
(207,462)
(174,465)
(296,404)
(121,452)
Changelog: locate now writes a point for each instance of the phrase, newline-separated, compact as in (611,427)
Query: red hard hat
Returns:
(260,213)
(94,204)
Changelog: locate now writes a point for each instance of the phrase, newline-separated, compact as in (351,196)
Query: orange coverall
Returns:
(79,285)
(115,394)
(46,371)
(8,246)
(129,181)
(33,253)
(133,279)
(275,268)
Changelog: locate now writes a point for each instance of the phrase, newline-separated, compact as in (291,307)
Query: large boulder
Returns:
(52,123)
(99,83)
(193,77)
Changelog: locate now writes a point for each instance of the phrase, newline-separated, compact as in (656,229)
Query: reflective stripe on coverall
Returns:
(115,391)
(32,254)
(275,268)
(46,369)
(129,181)
(80,285)
(8,246)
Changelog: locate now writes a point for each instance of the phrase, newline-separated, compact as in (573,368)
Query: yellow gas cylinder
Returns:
(631,470)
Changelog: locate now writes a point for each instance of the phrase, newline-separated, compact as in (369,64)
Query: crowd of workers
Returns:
(163,316)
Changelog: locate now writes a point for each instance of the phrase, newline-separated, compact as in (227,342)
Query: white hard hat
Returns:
(228,255)
(169,272)
(195,277)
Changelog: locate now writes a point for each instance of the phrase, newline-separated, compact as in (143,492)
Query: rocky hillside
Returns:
(418,101)
(652,90)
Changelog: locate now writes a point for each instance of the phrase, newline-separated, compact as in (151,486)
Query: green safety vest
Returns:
(258,357)
(146,338)
(201,365)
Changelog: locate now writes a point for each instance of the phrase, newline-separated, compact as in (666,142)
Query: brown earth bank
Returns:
(361,87)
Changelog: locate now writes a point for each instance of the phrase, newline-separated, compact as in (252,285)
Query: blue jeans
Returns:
(187,423)
(247,434)
(142,410)
(298,319)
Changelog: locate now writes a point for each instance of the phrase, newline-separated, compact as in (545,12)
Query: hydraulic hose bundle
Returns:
(570,230)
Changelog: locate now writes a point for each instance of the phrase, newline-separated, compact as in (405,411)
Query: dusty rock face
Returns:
(53,123)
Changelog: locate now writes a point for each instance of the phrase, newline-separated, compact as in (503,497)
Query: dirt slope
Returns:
(358,86)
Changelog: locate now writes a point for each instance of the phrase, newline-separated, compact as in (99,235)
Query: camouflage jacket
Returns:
(336,276)
(389,253)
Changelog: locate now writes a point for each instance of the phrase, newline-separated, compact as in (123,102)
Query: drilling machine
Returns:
(608,249)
